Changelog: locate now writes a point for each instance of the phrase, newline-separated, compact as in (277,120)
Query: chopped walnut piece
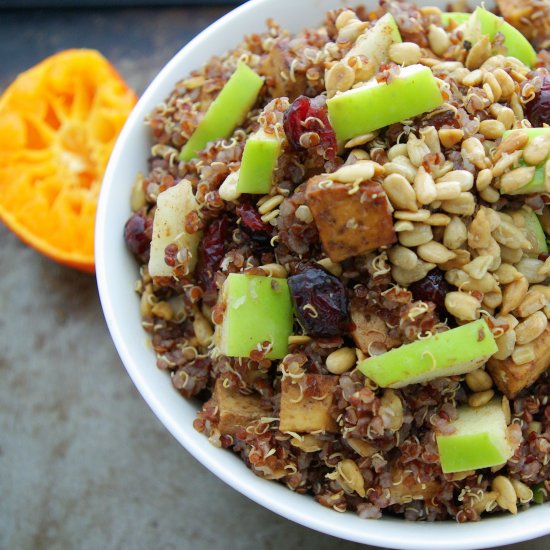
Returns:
(351,219)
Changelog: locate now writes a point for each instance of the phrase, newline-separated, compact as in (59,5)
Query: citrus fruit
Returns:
(58,124)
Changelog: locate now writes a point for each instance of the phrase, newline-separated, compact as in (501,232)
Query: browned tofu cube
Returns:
(301,412)
(369,328)
(276,66)
(350,223)
(511,378)
(405,489)
(237,410)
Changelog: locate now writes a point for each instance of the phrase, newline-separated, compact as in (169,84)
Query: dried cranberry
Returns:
(432,288)
(394,131)
(537,110)
(137,235)
(251,218)
(210,255)
(310,115)
(258,240)
(443,118)
(320,302)
(293,118)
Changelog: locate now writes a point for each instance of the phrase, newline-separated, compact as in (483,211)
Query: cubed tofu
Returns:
(350,222)
(276,67)
(237,410)
(406,489)
(369,328)
(307,414)
(511,378)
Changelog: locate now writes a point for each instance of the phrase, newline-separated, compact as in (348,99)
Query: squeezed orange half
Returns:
(58,124)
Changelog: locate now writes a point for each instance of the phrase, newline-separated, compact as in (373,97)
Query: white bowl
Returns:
(117,272)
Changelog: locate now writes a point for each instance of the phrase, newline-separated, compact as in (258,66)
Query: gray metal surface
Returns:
(84,464)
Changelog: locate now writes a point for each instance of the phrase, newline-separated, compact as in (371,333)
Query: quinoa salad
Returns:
(342,239)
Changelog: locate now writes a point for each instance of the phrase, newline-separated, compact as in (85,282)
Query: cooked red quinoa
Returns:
(376,450)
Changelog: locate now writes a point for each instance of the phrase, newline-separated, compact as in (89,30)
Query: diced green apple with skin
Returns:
(539,493)
(374,44)
(259,161)
(540,182)
(257,310)
(479,440)
(456,351)
(227,111)
(173,205)
(483,22)
(458,16)
(361,110)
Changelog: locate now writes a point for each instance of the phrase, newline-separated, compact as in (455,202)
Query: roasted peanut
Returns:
(424,186)
(537,150)
(506,494)
(455,233)
(405,53)
(463,177)
(421,234)
(400,192)
(506,344)
(407,276)
(478,380)
(438,39)
(435,252)
(480,398)
(341,360)
(533,301)
(350,477)
(531,328)
(402,257)
(392,408)
(513,294)
(463,306)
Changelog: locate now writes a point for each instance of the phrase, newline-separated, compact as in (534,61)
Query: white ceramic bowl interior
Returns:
(117,272)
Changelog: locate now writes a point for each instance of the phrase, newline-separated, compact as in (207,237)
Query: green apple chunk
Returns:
(375,105)
(374,43)
(173,205)
(539,493)
(259,161)
(541,179)
(535,232)
(227,111)
(458,16)
(456,351)
(257,310)
(479,440)
(483,22)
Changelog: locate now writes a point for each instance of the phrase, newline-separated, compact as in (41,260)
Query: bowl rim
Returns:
(413,535)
